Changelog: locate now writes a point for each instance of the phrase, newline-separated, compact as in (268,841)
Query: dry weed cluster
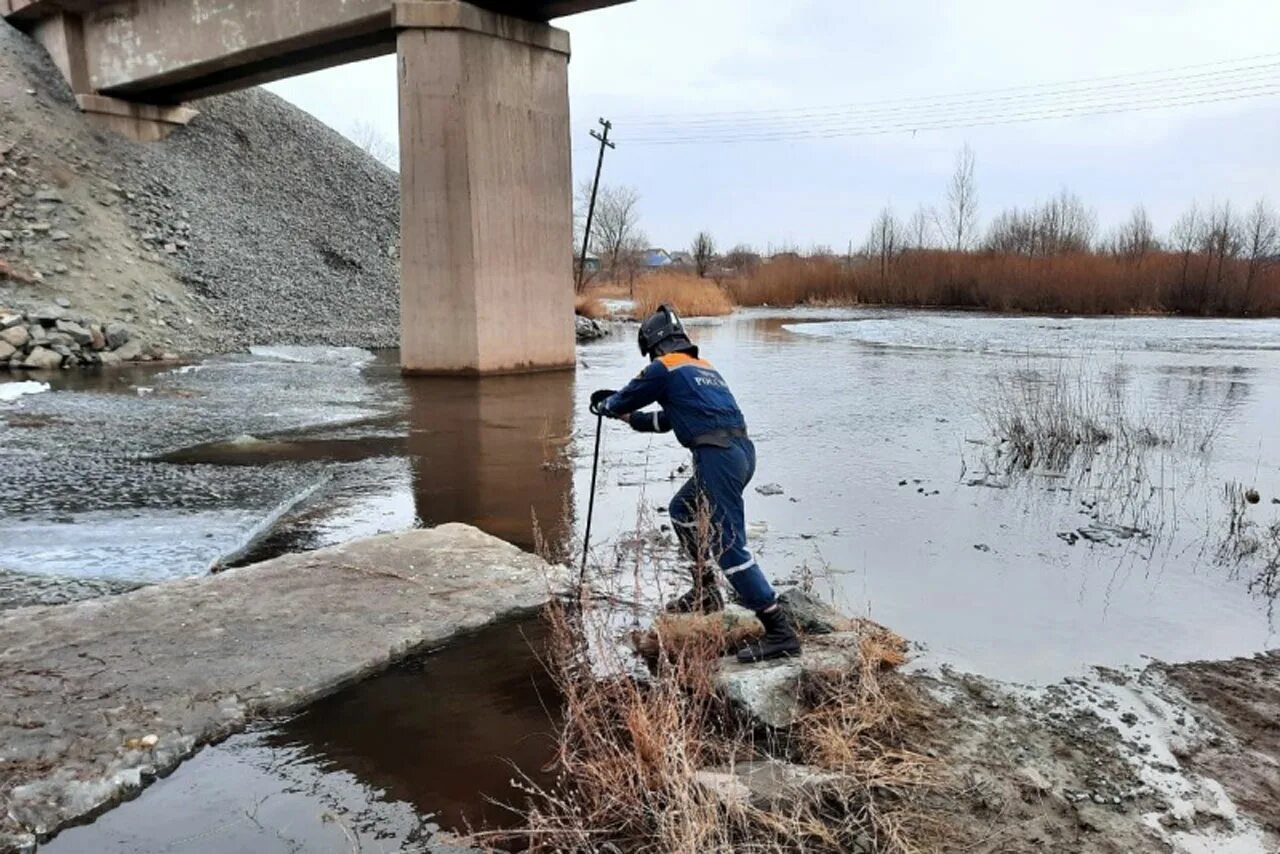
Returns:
(635,746)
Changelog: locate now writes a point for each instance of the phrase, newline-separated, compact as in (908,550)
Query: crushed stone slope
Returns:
(255,224)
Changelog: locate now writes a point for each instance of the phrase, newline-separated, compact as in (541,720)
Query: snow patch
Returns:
(10,392)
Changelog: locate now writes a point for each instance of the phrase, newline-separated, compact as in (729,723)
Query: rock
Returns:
(811,615)
(77,332)
(41,359)
(7,351)
(8,320)
(59,236)
(768,692)
(117,335)
(49,195)
(587,329)
(16,337)
(1034,780)
(48,315)
(131,351)
(766,784)
(63,302)
(769,489)
(98,341)
(1252,496)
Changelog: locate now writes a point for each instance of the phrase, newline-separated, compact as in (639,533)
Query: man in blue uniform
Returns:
(707,513)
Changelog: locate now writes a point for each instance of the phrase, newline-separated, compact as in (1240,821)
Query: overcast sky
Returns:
(664,69)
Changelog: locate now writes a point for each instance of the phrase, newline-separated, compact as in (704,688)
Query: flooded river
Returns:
(875,424)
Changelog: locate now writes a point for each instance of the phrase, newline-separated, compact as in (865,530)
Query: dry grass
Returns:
(591,306)
(1083,283)
(689,295)
(630,752)
(1068,417)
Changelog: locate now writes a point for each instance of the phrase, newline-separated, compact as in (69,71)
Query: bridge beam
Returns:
(486,209)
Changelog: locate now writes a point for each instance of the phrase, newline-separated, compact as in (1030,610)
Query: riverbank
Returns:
(1192,283)
(103,696)
(842,750)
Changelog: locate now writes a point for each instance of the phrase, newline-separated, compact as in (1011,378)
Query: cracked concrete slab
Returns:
(99,697)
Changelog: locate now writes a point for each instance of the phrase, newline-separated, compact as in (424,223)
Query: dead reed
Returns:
(1078,283)
(591,306)
(690,295)
(1054,420)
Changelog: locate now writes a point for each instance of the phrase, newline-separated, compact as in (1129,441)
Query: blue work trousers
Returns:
(709,517)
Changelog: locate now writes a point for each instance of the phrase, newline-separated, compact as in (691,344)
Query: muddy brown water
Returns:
(381,766)
(872,422)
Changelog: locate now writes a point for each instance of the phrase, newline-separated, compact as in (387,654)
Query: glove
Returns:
(599,397)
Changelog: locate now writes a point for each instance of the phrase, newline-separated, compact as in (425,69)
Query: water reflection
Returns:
(492,452)
(444,732)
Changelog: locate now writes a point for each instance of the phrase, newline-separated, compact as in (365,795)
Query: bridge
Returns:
(486,197)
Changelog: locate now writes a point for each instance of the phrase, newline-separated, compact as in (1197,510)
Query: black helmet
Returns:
(664,333)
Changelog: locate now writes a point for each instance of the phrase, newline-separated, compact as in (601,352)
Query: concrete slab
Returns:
(99,697)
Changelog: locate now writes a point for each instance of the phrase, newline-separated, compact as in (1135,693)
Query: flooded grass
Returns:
(1248,544)
(1070,417)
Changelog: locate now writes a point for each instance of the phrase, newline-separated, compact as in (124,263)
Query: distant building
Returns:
(591,265)
(681,259)
(655,259)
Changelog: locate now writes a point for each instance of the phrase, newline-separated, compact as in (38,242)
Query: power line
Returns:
(640,118)
(973,121)
(1156,87)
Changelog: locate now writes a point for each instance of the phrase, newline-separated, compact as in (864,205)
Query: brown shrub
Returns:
(688,294)
(1081,283)
(590,306)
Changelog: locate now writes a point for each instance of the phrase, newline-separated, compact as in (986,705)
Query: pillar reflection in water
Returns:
(493,452)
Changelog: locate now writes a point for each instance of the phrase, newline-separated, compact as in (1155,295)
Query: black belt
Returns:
(718,438)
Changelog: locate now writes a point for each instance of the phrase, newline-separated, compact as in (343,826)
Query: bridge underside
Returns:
(484,138)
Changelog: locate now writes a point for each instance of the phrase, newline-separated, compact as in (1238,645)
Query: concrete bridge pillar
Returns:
(486,207)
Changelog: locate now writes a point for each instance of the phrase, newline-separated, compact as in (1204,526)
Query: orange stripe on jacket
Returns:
(680,360)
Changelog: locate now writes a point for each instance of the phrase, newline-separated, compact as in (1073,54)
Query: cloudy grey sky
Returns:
(710,71)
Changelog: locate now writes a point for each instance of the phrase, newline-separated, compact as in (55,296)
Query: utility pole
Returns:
(591,208)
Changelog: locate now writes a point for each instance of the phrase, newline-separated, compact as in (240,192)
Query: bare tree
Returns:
(742,259)
(1012,232)
(630,260)
(615,226)
(1183,239)
(704,252)
(1064,225)
(1221,240)
(884,243)
(962,202)
(1261,244)
(375,144)
(1134,240)
(920,228)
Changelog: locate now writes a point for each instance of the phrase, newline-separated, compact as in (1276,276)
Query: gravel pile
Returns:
(257,224)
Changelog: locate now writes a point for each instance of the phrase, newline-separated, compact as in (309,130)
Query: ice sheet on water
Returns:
(314,355)
(11,391)
(985,333)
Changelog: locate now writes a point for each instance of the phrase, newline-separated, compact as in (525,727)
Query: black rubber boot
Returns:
(780,639)
(703,598)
